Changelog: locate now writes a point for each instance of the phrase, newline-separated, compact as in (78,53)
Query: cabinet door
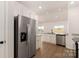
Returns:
(37,42)
(58,39)
(63,40)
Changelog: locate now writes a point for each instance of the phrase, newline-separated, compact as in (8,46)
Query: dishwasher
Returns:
(60,39)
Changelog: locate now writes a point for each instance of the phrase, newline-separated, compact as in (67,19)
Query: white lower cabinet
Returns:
(50,38)
(38,42)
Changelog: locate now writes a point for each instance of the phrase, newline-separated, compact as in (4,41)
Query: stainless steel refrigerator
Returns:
(24,37)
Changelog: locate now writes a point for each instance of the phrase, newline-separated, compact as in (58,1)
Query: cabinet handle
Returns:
(1,42)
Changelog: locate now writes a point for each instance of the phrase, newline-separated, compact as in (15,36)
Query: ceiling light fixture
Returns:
(40,7)
(56,16)
(72,2)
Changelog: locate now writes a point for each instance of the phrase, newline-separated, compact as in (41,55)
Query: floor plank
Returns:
(53,51)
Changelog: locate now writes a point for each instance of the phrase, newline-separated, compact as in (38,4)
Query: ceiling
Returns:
(48,11)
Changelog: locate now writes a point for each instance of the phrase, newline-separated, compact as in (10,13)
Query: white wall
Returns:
(72,25)
(9,29)
(2,28)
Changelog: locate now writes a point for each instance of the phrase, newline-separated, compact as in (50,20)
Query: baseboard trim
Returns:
(61,45)
(49,43)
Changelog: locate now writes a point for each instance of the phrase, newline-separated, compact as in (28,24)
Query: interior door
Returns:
(2,45)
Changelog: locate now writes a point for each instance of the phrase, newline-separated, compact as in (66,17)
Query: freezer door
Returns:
(23,44)
(32,42)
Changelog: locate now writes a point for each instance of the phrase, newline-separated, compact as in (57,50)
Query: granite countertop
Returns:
(38,34)
(61,34)
(51,34)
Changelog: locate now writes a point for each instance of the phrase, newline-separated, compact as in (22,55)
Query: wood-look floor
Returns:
(53,51)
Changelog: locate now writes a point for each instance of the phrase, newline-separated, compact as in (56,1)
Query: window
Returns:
(41,27)
(58,29)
